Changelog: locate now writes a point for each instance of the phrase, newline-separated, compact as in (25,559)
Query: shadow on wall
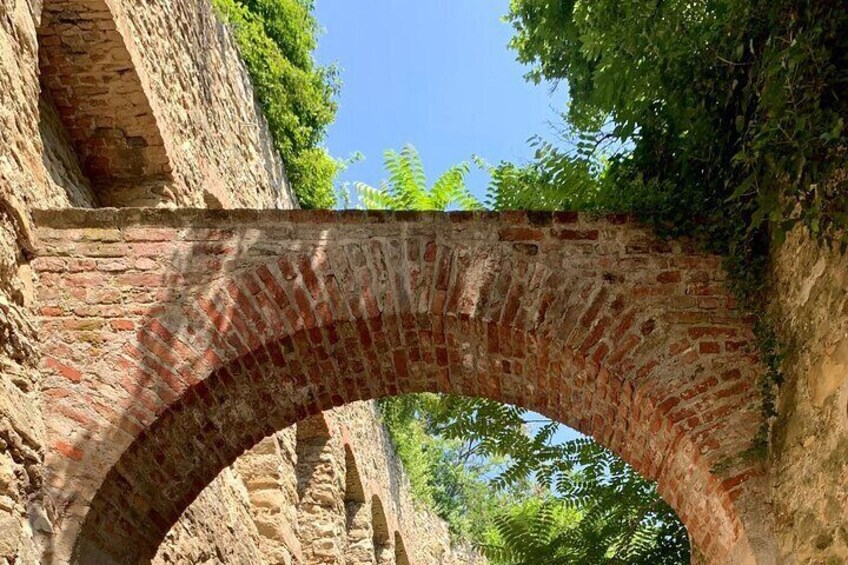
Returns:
(228,326)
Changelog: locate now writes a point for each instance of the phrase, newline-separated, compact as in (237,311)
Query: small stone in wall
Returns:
(831,374)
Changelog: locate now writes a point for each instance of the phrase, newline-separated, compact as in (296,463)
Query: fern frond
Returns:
(375,198)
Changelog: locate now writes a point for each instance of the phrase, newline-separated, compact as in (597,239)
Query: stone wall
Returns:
(158,105)
(201,93)
(308,495)
(219,150)
(117,103)
(810,443)
(25,181)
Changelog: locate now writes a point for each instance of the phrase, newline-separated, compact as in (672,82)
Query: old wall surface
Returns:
(222,156)
(203,99)
(28,177)
(287,501)
(200,101)
(424,536)
(810,446)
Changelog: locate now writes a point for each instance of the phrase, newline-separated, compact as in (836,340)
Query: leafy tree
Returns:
(722,116)
(448,474)
(617,517)
(406,187)
(276,39)
(531,532)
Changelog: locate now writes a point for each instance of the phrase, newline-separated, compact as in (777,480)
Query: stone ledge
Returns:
(195,217)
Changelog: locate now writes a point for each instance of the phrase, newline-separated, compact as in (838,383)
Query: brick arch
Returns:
(278,316)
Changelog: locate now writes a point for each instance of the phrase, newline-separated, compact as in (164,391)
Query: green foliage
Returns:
(622,518)
(721,119)
(406,187)
(447,474)
(276,39)
(556,180)
(530,532)
(727,114)
(616,515)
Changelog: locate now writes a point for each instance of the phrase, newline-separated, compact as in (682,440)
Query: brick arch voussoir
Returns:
(291,378)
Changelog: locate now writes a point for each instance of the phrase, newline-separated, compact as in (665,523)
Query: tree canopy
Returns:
(721,116)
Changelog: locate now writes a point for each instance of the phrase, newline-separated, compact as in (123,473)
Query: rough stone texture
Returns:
(221,148)
(810,446)
(269,474)
(304,497)
(217,528)
(320,486)
(24,181)
(232,325)
(158,105)
(374,473)
(58,146)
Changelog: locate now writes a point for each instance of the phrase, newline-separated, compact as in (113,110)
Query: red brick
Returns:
(69,373)
(521,234)
(69,450)
(514,330)
(576,235)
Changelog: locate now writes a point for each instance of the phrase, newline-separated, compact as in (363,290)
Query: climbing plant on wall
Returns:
(276,39)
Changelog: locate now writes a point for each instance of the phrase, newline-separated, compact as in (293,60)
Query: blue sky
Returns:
(433,73)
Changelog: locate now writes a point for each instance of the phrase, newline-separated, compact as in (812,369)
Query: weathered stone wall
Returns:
(425,538)
(810,445)
(289,500)
(220,154)
(158,105)
(218,528)
(201,93)
(26,180)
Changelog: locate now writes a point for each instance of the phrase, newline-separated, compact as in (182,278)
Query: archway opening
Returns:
(383,550)
(93,94)
(521,487)
(401,558)
(358,518)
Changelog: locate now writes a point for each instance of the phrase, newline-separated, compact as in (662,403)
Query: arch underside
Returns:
(289,380)
(255,321)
